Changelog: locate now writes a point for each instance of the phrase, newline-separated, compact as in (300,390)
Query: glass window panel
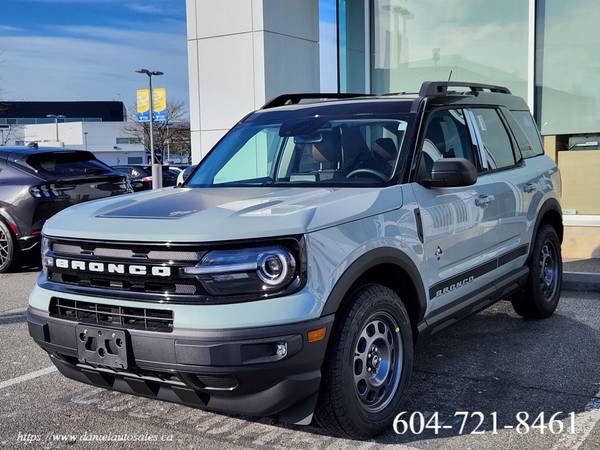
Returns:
(351,16)
(567,77)
(254,159)
(495,138)
(533,145)
(417,40)
(446,137)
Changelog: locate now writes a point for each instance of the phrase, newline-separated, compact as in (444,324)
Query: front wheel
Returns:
(540,297)
(368,365)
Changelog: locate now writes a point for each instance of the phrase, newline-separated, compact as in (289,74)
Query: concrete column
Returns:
(242,53)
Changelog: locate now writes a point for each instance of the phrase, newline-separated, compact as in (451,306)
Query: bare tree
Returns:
(6,134)
(174,133)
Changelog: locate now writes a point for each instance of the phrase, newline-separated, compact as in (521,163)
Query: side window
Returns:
(530,129)
(447,136)
(496,141)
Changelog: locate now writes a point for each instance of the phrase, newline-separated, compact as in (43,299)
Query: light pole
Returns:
(85,133)
(56,117)
(156,167)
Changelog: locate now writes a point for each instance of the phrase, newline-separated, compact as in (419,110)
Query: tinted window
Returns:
(528,126)
(447,136)
(496,141)
(67,164)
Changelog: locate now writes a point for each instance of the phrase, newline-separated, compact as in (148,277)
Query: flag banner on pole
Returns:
(160,104)
(143,105)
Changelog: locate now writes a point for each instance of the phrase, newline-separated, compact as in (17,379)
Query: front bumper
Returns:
(232,371)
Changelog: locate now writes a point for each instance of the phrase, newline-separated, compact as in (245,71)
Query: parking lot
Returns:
(493,362)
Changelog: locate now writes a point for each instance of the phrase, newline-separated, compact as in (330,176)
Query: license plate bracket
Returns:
(103,346)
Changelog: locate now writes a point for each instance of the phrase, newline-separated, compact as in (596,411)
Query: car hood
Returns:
(218,214)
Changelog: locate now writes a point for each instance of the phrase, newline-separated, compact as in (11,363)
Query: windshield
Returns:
(309,151)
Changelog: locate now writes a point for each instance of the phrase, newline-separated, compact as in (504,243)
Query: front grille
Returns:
(147,255)
(123,283)
(100,314)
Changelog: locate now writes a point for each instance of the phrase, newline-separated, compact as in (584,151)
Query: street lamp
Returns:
(56,117)
(156,167)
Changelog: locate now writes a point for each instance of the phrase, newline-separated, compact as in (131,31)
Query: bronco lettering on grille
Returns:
(112,268)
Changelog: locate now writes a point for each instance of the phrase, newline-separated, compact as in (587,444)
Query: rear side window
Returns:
(67,164)
(527,125)
(496,141)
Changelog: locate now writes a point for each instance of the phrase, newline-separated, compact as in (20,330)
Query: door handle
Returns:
(484,200)
(530,187)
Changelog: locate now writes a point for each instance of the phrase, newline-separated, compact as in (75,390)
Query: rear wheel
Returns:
(9,250)
(368,365)
(540,297)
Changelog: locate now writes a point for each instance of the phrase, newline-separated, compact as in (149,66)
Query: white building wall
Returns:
(101,139)
(242,53)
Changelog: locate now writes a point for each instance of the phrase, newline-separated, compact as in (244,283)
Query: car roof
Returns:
(437,93)
(24,152)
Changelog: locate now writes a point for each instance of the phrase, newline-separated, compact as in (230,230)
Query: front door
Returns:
(459,223)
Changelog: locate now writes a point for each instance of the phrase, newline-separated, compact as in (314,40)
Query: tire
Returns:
(361,406)
(9,250)
(540,297)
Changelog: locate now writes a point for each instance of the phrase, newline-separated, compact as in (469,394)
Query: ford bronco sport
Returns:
(291,274)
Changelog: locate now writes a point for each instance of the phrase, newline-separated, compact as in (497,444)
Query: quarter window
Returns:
(531,131)
(496,141)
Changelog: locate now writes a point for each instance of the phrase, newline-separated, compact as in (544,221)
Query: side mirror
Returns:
(452,172)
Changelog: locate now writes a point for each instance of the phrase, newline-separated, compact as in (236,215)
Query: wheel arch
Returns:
(8,220)
(550,213)
(386,266)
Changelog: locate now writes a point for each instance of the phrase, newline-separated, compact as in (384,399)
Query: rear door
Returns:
(458,223)
(507,175)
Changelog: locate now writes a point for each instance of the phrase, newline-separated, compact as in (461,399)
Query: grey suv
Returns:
(293,271)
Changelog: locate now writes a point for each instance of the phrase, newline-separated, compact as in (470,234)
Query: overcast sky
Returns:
(90,49)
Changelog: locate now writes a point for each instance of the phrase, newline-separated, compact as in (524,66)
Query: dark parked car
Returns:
(36,183)
(140,176)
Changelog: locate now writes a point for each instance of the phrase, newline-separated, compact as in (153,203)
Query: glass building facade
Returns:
(543,50)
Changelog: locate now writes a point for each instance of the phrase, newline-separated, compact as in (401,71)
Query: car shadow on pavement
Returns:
(497,362)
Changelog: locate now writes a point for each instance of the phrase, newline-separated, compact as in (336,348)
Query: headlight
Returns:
(47,261)
(260,270)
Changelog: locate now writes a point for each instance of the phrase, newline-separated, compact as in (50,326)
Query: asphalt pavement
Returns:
(493,363)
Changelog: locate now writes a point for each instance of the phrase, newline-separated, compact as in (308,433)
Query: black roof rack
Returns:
(441,87)
(294,99)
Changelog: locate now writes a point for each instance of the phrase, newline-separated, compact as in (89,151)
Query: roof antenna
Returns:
(449,75)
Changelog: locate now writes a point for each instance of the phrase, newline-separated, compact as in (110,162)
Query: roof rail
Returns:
(294,99)
(441,87)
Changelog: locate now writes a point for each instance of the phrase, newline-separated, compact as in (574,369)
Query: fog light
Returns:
(281,349)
